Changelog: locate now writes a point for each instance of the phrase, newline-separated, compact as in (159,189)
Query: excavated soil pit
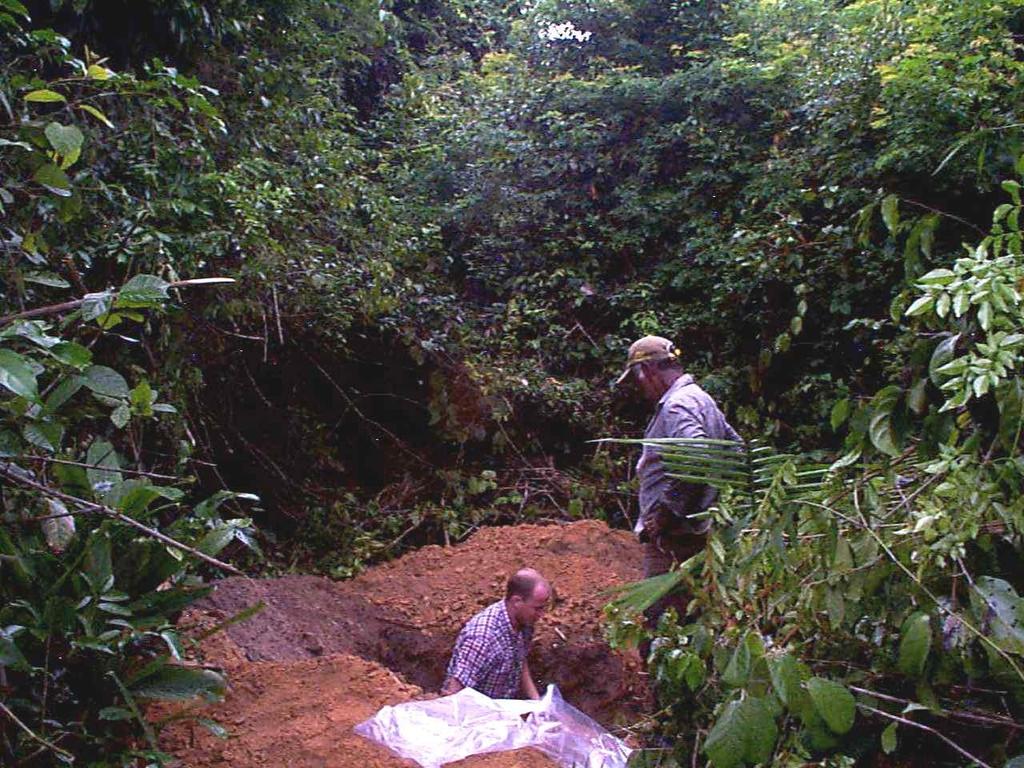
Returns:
(323,656)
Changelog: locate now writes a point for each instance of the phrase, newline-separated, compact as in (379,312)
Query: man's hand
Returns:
(526,683)
(451,685)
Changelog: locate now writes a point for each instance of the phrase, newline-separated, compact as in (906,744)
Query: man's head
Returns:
(653,364)
(526,595)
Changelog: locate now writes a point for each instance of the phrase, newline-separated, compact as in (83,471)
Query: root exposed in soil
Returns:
(323,656)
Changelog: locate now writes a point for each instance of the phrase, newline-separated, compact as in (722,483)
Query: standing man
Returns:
(490,651)
(665,526)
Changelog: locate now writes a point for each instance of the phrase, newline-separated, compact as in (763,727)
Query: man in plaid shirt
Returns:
(490,651)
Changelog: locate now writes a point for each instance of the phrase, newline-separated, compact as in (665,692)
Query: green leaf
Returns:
(840,413)
(44,96)
(96,305)
(833,702)
(49,279)
(45,435)
(882,435)
(787,676)
(72,353)
(132,497)
(172,683)
(53,179)
(121,415)
(891,213)
(66,141)
(106,381)
(17,376)
(737,671)
(921,305)
(937,277)
(10,655)
(214,541)
(96,113)
(915,644)
(98,562)
(13,6)
(889,739)
(996,603)
(142,291)
(104,474)
(745,731)
(97,72)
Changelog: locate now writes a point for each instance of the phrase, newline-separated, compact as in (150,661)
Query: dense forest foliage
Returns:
(300,284)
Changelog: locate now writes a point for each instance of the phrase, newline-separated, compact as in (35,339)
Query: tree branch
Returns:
(921,726)
(89,506)
(67,306)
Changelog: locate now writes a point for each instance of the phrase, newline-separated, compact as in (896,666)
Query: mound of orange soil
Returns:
(323,656)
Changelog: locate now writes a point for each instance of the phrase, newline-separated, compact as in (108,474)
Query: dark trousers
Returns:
(662,550)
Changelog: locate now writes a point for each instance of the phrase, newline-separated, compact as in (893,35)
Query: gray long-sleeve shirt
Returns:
(685,410)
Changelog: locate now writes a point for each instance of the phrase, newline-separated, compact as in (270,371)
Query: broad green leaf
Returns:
(737,671)
(214,541)
(840,413)
(788,676)
(881,433)
(745,731)
(106,381)
(915,644)
(833,702)
(72,353)
(53,179)
(45,435)
(61,393)
(132,497)
(142,291)
(10,655)
(943,353)
(96,305)
(921,305)
(66,141)
(97,72)
(937,277)
(179,684)
(48,279)
(891,213)
(121,415)
(44,96)
(889,739)
(17,376)
(843,561)
(98,562)
(104,473)
(998,605)
(13,6)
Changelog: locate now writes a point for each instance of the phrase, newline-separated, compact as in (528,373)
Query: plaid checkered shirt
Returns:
(489,653)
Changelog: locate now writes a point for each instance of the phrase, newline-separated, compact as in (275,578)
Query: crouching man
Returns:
(490,651)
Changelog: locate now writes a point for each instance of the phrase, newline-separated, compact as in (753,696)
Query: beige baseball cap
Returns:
(646,350)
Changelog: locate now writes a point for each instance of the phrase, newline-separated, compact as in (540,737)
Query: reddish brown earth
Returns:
(323,656)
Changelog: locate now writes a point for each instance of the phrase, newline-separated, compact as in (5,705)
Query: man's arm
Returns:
(526,683)
(451,685)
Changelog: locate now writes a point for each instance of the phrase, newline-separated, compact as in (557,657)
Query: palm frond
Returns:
(755,471)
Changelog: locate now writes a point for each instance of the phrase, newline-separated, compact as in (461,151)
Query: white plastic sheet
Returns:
(451,728)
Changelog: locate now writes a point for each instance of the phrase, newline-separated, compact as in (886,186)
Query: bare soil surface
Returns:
(324,656)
